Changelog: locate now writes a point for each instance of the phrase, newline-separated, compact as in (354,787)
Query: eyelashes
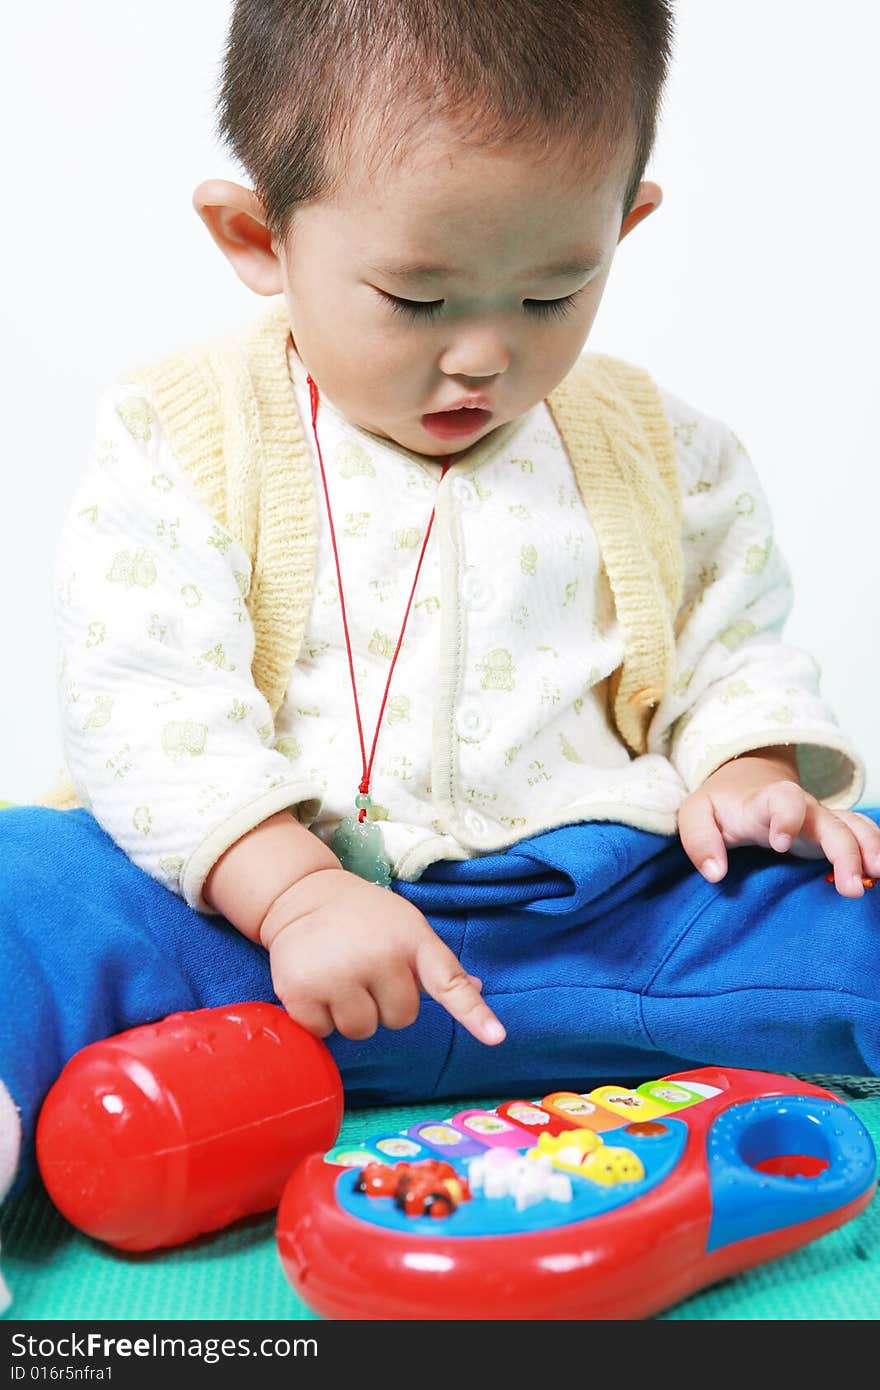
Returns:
(414,310)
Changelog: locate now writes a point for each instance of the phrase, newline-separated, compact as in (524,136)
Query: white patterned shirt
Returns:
(497,724)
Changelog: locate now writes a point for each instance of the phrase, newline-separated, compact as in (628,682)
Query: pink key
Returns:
(490,1129)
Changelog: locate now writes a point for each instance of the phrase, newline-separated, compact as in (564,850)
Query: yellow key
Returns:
(620,1100)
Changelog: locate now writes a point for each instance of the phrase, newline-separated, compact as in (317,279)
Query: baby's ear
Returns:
(236,219)
(647,199)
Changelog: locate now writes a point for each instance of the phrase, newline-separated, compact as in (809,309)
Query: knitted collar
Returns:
(230,413)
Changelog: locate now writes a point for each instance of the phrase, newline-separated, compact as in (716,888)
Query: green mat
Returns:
(55,1272)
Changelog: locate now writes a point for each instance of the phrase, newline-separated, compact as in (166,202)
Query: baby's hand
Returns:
(349,955)
(755,800)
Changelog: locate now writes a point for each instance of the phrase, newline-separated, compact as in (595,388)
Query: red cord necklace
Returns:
(358,843)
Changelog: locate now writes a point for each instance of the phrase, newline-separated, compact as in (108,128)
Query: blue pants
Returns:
(601,949)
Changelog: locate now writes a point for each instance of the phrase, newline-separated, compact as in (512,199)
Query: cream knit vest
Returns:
(229,413)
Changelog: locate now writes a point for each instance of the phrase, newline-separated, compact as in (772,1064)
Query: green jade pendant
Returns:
(359,847)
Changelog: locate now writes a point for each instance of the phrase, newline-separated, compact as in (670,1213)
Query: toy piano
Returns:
(614,1203)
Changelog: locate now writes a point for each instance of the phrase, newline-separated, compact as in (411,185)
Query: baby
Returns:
(397,589)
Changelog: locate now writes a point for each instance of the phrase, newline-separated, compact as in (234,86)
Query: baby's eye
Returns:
(558,308)
(413,308)
(425,310)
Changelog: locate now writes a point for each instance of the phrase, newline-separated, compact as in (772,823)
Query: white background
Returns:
(753,292)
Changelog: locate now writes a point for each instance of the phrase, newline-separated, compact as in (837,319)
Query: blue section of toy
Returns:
(824,1139)
(658,1152)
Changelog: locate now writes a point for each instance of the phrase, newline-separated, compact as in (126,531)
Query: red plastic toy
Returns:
(647,1196)
(176,1128)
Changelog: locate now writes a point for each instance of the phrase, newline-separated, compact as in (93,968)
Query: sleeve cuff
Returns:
(203,858)
(828,767)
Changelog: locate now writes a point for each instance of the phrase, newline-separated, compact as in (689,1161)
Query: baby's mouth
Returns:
(456,424)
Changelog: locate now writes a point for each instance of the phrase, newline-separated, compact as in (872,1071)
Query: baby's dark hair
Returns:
(301,77)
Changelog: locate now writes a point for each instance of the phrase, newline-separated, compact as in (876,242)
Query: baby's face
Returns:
(388,348)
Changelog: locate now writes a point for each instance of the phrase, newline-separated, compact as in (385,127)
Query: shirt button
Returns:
(475,591)
(475,824)
(464,492)
(471,723)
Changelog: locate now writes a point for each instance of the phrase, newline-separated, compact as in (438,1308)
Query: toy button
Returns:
(620,1100)
(351,1158)
(586,1154)
(531,1117)
(569,1150)
(610,1166)
(500,1173)
(398,1146)
(444,1139)
(582,1111)
(490,1129)
(649,1129)
(669,1095)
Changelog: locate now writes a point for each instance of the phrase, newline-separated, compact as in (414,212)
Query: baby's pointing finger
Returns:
(442,977)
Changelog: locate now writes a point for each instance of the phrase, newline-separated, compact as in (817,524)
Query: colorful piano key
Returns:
(532,1117)
(492,1129)
(670,1095)
(348,1156)
(620,1100)
(397,1148)
(444,1139)
(581,1111)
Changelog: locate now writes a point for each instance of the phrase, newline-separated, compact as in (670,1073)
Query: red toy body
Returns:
(180,1127)
(766,1164)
